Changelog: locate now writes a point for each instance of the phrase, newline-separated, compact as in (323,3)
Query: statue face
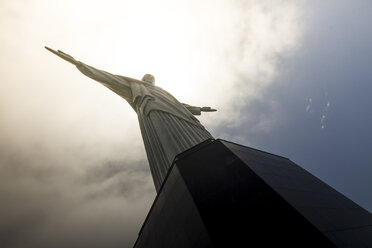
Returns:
(149,78)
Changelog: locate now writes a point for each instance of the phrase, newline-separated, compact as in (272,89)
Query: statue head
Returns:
(149,78)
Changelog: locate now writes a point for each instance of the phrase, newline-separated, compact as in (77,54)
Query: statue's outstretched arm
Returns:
(118,84)
(197,110)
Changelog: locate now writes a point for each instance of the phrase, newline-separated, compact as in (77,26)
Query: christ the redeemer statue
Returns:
(168,127)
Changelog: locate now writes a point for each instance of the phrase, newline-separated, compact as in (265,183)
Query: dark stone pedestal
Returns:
(220,194)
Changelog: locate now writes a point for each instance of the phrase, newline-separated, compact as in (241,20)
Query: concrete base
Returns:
(220,194)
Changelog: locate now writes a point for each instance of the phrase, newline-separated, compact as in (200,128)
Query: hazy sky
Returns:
(290,77)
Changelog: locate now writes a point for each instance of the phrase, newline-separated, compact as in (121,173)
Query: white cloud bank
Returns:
(71,151)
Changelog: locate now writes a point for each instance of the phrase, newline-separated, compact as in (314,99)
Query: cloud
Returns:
(47,206)
(73,169)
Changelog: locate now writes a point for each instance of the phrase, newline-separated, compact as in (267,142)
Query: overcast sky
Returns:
(289,77)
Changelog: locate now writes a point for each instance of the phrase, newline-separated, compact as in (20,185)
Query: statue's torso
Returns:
(167,127)
(147,98)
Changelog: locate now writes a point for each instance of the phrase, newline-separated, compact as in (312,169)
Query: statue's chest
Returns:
(148,99)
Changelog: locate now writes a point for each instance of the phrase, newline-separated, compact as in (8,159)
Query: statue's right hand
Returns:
(64,56)
(207,109)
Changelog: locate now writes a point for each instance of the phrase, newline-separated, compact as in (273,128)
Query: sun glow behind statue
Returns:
(216,53)
(226,48)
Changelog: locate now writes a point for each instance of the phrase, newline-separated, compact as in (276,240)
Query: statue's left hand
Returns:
(207,109)
(64,56)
